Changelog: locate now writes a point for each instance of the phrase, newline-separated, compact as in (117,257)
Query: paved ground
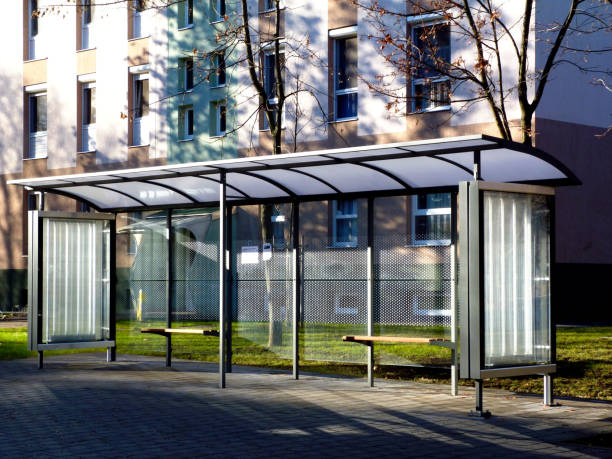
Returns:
(81,406)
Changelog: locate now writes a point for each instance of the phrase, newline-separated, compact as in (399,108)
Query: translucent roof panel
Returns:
(505,165)
(423,171)
(297,160)
(149,193)
(199,189)
(297,182)
(102,198)
(379,152)
(350,178)
(465,159)
(138,174)
(255,187)
(400,167)
(441,144)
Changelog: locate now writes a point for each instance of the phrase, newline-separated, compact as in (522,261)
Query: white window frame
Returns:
(87,143)
(37,140)
(141,18)
(268,5)
(216,10)
(184,125)
(415,23)
(216,62)
(143,121)
(416,212)
(87,29)
(336,217)
(34,41)
(218,114)
(188,85)
(187,23)
(337,35)
(272,100)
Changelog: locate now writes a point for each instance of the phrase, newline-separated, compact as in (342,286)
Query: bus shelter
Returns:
(494,272)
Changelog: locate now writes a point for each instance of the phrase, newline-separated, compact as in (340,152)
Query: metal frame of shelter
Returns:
(361,172)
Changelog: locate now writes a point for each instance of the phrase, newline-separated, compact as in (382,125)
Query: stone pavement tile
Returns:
(136,407)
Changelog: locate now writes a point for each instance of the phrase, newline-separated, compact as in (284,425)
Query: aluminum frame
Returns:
(471,289)
(35,271)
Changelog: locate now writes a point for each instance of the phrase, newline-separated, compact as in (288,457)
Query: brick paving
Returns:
(81,406)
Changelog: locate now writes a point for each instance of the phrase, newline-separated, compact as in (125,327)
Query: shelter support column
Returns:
(295,286)
(229,289)
(169,284)
(370,290)
(455,349)
(111,352)
(222,278)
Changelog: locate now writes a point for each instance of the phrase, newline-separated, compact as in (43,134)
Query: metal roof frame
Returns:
(376,170)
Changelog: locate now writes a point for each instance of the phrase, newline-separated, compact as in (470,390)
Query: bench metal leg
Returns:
(371,364)
(40,360)
(111,354)
(454,374)
(479,412)
(168,351)
(548,390)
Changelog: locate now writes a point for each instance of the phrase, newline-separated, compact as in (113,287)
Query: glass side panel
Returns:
(516,279)
(142,258)
(75,280)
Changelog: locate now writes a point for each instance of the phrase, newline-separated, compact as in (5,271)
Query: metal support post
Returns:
(479,412)
(548,390)
(295,279)
(370,281)
(222,270)
(454,353)
(111,354)
(40,360)
(229,286)
(169,284)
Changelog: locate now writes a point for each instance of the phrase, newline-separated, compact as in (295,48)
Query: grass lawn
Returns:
(584,355)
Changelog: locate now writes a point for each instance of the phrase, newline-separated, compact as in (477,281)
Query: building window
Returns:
(220,119)
(270,84)
(186,14)
(218,10)
(88,107)
(186,66)
(431,219)
(430,88)
(37,115)
(345,78)
(218,76)
(87,27)
(270,5)
(139,19)
(186,123)
(140,110)
(35,42)
(344,223)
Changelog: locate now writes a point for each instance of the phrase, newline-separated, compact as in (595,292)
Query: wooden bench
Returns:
(168,332)
(183,331)
(369,340)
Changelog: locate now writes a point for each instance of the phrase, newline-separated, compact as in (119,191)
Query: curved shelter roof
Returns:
(377,170)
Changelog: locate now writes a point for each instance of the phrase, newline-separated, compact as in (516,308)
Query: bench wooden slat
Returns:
(391,339)
(183,331)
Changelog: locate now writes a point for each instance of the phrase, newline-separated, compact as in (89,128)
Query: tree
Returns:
(481,72)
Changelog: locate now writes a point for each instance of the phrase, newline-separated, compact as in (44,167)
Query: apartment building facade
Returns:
(104,87)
